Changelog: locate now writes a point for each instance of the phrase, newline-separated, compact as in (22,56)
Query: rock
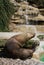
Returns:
(42,11)
(39,18)
(23,8)
(24,3)
(16,18)
(9,61)
(20,13)
(34,5)
(12,26)
(14,46)
(20,21)
(31,12)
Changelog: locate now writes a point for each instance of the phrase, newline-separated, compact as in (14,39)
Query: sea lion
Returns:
(14,46)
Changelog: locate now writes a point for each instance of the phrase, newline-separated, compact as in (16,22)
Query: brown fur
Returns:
(14,46)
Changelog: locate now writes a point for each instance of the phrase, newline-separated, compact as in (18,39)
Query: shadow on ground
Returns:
(4,53)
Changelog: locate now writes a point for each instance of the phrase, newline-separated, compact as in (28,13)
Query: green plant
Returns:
(42,58)
(43,46)
(2,42)
(28,43)
(6,11)
(41,37)
(31,44)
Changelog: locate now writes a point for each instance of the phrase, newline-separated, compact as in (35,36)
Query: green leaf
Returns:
(6,11)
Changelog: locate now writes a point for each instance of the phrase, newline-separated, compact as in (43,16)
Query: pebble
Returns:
(9,61)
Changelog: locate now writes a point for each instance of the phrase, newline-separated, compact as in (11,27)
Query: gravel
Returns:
(10,61)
